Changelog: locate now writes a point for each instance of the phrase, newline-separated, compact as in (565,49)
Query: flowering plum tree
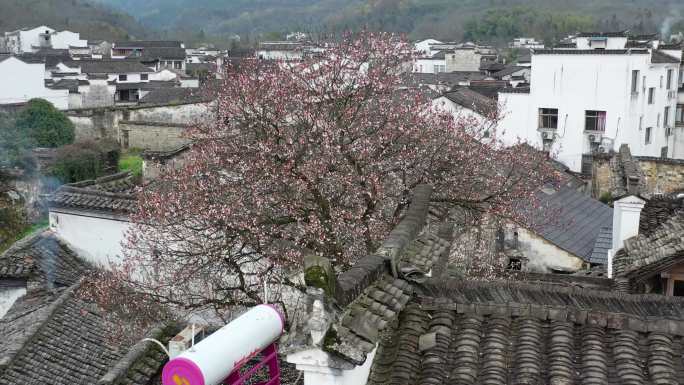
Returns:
(313,156)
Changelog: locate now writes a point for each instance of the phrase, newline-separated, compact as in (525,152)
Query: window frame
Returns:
(647,135)
(123,77)
(666,116)
(545,115)
(635,81)
(144,77)
(670,72)
(600,118)
(651,95)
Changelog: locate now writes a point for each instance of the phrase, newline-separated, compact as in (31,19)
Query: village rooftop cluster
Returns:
(591,301)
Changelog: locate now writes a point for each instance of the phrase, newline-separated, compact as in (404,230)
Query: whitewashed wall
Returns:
(8,297)
(98,240)
(20,81)
(543,256)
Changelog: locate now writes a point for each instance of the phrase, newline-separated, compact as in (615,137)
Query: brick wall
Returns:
(152,136)
(662,175)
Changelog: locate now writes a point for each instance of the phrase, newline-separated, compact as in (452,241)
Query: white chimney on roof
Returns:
(626,213)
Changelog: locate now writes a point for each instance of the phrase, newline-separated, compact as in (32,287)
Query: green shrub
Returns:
(45,125)
(84,160)
(606,198)
(132,163)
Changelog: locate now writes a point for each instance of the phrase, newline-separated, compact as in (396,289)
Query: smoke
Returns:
(666,27)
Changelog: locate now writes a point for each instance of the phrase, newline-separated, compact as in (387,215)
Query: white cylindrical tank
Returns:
(213,359)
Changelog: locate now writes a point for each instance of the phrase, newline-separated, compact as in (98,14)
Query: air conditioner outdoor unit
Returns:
(547,135)
(594,139)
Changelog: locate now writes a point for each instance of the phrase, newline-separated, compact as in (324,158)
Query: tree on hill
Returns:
(45,125)
(317,157)
(14,145)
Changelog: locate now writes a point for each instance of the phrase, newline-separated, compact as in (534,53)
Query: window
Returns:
(670,72)
(178,65)
(647,139)
(641,122)
(658,120)
(663,152)
(123,78)
(678,288)
(548,118)
(679,114)
(666,117)
(651,95)
(643,84)
(661,81)
(595,120)
(143,77)
(437,68)
(635,81)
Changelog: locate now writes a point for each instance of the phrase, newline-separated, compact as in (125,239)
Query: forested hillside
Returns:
(475,19)
(93,21)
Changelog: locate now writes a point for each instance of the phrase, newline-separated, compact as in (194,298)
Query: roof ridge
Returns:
(140,349)
(93,192)
(102,179)
(550,287)
(24,243)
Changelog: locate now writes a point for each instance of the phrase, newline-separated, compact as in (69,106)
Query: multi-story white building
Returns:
(22,81)
(595,98)
(34,39)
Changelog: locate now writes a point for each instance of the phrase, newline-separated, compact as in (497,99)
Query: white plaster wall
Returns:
(75,100)
(317,369)
(66,39)
(542,255)
(463,60)
(8,297)
(427,66)
(460,113)
(190,83)
(279,55)
(575,83)
(97,240)
(181,114)
(611,43)
(21,81)
(31,37)
(423,46)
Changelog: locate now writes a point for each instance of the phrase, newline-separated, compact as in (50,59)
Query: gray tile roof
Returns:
(644,256)
(147,44)
(57,337)
(509,70)
(175,95)
(515,333)
(162,53)
(657,211)
(590,51)
(109,66)
(110,194)
(449,79)
(660,57)
(42,257)
(459,331)
(472,100)
(603,34)
(570,220)
(603,243)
